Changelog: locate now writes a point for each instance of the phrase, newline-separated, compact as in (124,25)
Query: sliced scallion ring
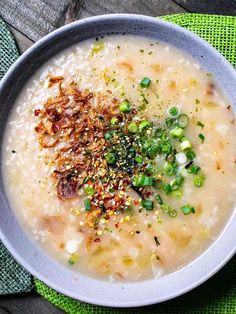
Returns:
(183,121)
(173,111)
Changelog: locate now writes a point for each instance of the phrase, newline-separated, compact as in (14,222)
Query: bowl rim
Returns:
(229,250)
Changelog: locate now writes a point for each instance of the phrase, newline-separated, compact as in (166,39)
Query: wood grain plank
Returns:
(27,304)
(224,7)
(22,41)
(37,18)
(151,7)
(34,18)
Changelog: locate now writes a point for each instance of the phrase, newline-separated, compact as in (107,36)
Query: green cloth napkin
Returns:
(217,295)
(13,278)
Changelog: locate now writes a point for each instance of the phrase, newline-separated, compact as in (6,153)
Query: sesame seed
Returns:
(127,218)
(153,256)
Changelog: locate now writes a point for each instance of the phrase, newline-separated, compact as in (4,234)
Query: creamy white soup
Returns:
(119,158)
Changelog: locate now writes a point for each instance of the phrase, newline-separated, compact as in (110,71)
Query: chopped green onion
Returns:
(177,194)
(114,121)
(153,150)
(144,125)
(183,121)
(141,180)
(73,259)
(132,127)
(177,182)
(138,159)
(165,208)
(87,204)
(190,155)
(168,210)
(148,181)
(199,123)
(168,169)
(89,190)
(149,169)
(173,111)
(170,122)
(147,204)
(145,82)
(125,106)
(166,148)
(110,158)
(194,169)
(158,184)
(159,199)
(197,101)
(158,132)
(174,185)
(167,188)
(202,137)
(170,158)
(147,144)
(164,137)
(177,132)
(108,136)
(185,145)
(199,180)
(187,209)
(172,213)
(129,210)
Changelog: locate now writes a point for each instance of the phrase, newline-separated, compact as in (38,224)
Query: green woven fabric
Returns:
(13,278)
(217,295)
(8,49)
(218,30)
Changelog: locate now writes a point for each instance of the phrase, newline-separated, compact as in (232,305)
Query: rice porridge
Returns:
(119,158)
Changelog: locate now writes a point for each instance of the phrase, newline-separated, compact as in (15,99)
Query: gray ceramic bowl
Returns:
(27,253)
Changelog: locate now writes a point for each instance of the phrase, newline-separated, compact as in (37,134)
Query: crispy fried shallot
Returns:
(73,125)
(54,80)
(92,217)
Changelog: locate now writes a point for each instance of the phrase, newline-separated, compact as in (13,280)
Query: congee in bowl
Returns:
(119,158)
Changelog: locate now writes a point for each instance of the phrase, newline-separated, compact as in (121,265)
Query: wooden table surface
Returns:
(30,20)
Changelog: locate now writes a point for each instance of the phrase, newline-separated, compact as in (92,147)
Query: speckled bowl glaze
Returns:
(32,257)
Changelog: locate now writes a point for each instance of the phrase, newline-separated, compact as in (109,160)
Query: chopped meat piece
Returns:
(67,187)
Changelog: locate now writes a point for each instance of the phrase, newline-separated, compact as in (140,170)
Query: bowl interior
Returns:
(30,255)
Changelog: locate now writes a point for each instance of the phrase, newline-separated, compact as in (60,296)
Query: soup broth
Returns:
(119,158)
